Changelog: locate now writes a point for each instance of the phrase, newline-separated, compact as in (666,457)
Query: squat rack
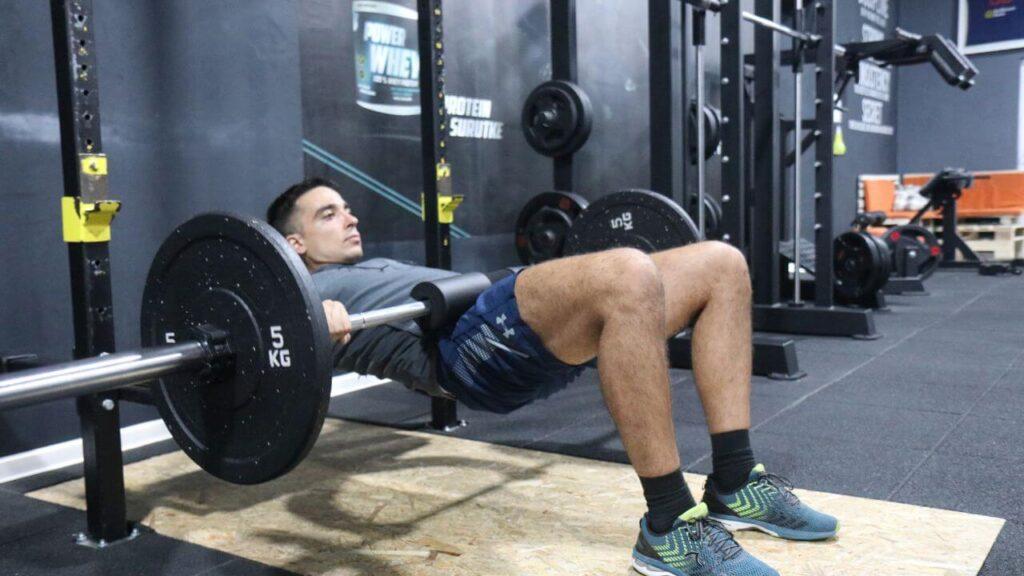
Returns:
(773,356)
(813,34)
(438,201)
(87,214)
(563,67)
(752,145)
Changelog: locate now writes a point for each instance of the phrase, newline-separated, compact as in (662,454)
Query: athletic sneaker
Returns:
(767,503)
(695,546)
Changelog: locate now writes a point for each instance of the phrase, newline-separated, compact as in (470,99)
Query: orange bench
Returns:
(879,195)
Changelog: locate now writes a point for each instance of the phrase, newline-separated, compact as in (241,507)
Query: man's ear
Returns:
(297,243)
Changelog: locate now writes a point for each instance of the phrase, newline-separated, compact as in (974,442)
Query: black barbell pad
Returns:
(502,273)
(449,298)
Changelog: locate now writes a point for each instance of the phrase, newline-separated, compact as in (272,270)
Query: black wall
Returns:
(200,110)
(943,126)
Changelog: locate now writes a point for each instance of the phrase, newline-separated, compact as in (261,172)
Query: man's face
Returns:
(326,229)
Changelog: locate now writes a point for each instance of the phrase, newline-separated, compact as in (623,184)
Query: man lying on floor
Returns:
(530,334)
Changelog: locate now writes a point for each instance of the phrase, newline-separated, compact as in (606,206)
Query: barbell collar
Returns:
(99,374)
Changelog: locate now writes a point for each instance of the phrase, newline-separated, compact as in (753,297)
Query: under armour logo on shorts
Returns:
(508,332)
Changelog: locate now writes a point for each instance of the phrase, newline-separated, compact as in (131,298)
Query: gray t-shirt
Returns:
(396,351)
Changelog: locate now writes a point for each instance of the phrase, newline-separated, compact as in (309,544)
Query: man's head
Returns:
(317,222)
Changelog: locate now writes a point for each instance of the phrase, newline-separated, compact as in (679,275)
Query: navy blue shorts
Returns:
(493,361)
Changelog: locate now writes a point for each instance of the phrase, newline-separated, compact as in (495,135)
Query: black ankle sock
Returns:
(731,459)
(667,498)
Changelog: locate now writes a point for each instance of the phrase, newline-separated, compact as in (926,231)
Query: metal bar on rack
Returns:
(824,159)
(781,28)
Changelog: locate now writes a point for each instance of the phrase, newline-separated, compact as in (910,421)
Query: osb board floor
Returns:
(374,500)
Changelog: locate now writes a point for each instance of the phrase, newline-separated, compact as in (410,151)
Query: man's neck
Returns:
(313,265)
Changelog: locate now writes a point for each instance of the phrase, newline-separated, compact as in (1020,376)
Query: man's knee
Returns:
(730,265)
(726,257)
(628,277)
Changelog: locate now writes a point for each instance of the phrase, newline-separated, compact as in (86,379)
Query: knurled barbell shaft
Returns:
(102,373)
(98,374)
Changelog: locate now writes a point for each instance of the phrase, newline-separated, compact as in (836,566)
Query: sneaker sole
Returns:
(649,569)
(735,525)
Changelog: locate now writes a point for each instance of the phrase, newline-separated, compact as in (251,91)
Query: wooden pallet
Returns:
(1004,220)
(992,241)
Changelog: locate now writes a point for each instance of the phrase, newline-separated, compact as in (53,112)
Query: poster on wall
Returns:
(872,113)
(387,60)
(991,25)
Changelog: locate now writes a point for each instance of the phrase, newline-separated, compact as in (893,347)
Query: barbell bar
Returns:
(236,346)
(781,28)
(98,374)
(716,6)
(112,371)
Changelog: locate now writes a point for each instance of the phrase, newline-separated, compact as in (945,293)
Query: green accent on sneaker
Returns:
(694,547)
(676,548)
(696,513)
(752,500)
(766,502)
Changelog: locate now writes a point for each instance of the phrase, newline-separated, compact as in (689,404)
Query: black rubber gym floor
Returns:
(931,414)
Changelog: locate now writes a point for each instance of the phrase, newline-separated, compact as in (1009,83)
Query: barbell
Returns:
(234,333)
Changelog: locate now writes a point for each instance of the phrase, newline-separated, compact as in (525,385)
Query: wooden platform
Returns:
(373,500)
(994,241)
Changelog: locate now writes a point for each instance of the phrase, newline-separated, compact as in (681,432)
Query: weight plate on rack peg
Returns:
(557,117)
(544,223)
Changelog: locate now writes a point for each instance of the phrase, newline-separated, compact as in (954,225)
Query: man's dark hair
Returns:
(279,214)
